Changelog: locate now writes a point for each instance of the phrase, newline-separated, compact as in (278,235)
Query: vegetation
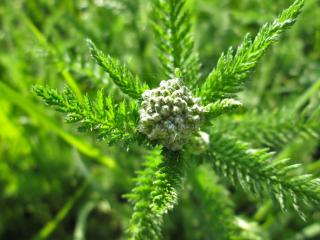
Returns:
(200,152)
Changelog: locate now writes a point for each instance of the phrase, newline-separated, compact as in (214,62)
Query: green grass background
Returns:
(56,183)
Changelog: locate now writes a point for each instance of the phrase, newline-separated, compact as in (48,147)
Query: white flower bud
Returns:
(170,114)
(196,118)
(163,84)
(156,117)
(147,94)
(196,100)
(165,111)
(176,110)
(149,110)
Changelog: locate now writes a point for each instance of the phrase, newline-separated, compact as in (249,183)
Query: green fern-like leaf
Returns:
(214,110)
(121,76)
(156,186)
(172,27)
(273,130)
(214,206)
(233,68)
(110,121)
(215,211)
(255,171)
(154,195)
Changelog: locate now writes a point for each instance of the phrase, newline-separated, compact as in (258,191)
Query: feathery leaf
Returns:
(102,116)
(257,174)
(234,67)
(223,106)
(155,194)
(214,207)
(172,27)
(269,129)
(122,77)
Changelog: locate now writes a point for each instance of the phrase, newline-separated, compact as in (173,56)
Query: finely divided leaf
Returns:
(172,27)
(121,76)
(154,195)
(234,67)
(257,173)
(108,120)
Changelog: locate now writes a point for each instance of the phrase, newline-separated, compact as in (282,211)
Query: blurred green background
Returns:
(56,183)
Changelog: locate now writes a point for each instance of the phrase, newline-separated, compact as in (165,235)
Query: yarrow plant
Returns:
(184,113)
(170,114)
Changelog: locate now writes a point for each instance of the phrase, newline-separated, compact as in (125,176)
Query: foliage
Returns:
(154,195)
(110,121)
(119,74)
(233,69)
(53,177)
(256,173)
(273,129)
(172,26)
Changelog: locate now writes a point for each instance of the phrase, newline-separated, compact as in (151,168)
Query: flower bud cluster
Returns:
(170,114)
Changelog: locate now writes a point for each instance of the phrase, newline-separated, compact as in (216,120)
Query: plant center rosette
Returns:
(170,114)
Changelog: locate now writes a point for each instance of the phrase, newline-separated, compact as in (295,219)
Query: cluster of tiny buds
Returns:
(169,114)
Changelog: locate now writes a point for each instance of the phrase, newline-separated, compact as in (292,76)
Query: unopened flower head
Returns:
(170,114)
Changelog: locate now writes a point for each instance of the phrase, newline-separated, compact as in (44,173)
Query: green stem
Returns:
(49,228)
(306,96)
